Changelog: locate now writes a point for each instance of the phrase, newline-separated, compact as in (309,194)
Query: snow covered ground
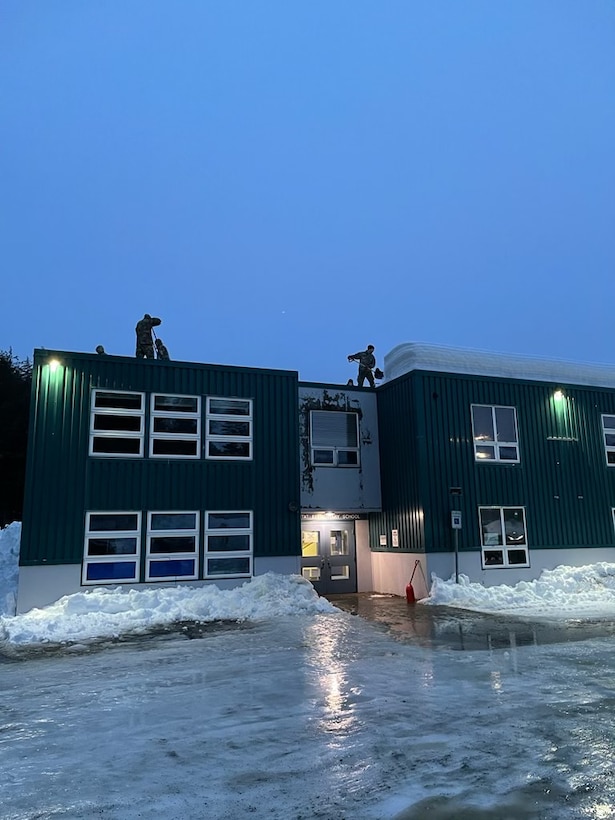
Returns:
(266,701)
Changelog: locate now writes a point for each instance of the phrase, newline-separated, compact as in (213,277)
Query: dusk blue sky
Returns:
(285,182)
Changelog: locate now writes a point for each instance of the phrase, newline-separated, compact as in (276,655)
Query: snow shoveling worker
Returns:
(161,351)
(145,343)
(367,362)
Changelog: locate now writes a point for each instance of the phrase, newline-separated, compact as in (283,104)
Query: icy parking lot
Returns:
(312,716)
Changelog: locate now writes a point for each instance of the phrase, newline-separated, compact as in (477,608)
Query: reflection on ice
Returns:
(326,653)
(496,681)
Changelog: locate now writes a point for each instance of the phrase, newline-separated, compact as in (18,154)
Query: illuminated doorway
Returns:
(328,556)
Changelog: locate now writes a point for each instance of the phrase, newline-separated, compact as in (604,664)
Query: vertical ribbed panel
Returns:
(63,481)
(402,458)
(562,480)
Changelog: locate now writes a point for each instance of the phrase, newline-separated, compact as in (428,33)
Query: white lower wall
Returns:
(43,585)
(40,586)
(283,565)
(365,581)
(391,571)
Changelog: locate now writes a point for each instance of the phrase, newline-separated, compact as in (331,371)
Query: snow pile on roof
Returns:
(10,538)
(103,612)
(563,592)
(442,359)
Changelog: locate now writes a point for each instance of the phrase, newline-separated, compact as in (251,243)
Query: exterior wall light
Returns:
(558,395)
(53,365)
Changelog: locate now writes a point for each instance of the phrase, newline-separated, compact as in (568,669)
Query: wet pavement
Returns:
(451,628)
(376,716)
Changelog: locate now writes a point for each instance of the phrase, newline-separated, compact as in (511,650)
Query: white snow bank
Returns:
(104,613)
(10,538)
(560,593)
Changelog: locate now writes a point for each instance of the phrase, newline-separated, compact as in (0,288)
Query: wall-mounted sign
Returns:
(394,538)
(327,516)
(383,540)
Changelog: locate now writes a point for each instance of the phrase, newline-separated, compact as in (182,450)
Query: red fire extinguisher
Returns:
(410,596)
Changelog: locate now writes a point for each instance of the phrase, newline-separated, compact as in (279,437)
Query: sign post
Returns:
(455,493)
(456,525)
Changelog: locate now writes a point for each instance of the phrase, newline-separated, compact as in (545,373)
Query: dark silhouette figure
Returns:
(145,343)
(367,362)
(161,351)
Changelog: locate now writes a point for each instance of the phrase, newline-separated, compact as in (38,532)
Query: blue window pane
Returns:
(111,571)
(164,569)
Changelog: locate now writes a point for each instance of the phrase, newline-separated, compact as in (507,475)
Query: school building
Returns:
(148,472)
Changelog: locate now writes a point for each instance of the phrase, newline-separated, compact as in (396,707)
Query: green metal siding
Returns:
(63,481)
(402,462)
(562,479)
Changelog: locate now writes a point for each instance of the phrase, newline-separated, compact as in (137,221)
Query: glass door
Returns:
(328,556)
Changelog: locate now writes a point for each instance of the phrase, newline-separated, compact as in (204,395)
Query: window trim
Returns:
(169,414)
(505,548)
(213,531)
(335,450)
(126,558)
(117,434)
(209,437)
(608,448)
(495,443)
(152,558)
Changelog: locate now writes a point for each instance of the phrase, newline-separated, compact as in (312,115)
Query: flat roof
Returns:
(442,359)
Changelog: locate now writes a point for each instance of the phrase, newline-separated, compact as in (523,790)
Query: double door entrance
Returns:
(328,556)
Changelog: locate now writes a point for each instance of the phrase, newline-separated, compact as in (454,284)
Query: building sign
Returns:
(327,516)
(383,540)
(394,538)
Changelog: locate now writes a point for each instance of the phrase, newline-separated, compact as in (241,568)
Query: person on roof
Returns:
(367,362)
(161,351)
(145,343)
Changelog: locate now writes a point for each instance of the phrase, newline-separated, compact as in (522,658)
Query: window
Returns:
(175,430)
(172,546)
(495,433)
(503,537)
(117,424)
(608,432)
(228,544)
(334,438)
(112,547)
(229,428)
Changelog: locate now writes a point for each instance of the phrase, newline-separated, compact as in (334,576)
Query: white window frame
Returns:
(335,450)
(137,435)
(495,443)
(608,431)
(504,548)
(159,557)
(194,438)
(218,554)
(230,417)
(123,558)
